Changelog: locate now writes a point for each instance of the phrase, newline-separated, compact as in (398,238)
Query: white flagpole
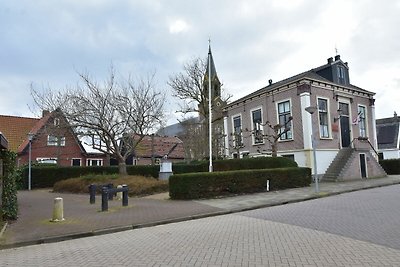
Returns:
(210,168)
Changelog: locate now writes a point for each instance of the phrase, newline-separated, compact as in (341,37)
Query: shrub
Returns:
(9,196)
(391,166)
(138,185)
(206,185)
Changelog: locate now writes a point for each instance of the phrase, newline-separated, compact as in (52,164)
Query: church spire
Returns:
(210,62)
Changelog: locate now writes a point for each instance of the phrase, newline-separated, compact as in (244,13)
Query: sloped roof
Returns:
(163,145)
(387,131)
(16,129)
(310,74)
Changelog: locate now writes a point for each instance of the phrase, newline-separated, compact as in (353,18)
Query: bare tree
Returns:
(275,134)
(111,114)
(191,87)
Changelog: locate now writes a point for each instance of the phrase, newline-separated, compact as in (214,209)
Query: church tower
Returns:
(217,103)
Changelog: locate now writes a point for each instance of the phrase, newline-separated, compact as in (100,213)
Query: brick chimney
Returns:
(337,57)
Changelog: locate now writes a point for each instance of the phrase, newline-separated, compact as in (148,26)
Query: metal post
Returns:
(125,195)
(315,163)
(92,192)
(210,167)
(110,192)
(30,138)
(312,110)
(104,199)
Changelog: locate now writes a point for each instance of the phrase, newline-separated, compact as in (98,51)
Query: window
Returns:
(46,160)
(56,122)
(341,74)
(285,120)
(237,132)
(55,141)
(94,162)
(257,127)
(76,162)
(362,121)
(323,117)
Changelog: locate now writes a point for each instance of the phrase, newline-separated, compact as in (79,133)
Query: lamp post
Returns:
(30,137)
(311,110)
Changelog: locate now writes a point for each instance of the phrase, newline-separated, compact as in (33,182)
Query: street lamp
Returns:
(311,110)
(30,137)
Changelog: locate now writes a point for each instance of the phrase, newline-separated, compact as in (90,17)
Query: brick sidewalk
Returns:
(83,219)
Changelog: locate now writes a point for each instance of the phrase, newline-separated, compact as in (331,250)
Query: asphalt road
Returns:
(354,229)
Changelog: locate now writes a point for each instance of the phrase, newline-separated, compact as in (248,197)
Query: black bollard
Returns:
(104,199)
(92,192)
(110,192)
(125,195)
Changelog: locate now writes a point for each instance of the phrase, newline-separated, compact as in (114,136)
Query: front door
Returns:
(344,124)
(363,166)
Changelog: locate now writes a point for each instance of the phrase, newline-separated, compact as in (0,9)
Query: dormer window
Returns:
(341,74)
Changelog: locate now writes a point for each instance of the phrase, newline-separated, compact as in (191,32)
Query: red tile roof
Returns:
(16,129)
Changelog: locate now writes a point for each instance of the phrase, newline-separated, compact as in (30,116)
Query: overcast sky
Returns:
(45,43)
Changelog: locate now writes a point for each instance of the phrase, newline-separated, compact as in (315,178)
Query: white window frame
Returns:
(364,119)
(53,140)
(328,130)
(41,160)
(233,130)
(261,127)
(89,161)
(291,122)
(80,161)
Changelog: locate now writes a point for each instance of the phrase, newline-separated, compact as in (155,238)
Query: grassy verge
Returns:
(138,185)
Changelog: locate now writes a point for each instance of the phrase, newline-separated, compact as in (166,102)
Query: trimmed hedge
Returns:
(206,185)
(236,164)
(9,207)
(391,166)
(47,176)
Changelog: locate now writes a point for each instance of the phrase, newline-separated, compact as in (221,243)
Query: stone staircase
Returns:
(338,164)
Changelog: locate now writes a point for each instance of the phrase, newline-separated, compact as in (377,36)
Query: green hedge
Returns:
(235,164)
(391,166)
(9,207)
(47,176)
(206,185)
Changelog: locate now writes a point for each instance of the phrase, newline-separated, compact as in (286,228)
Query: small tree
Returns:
(108,113)
(277,131)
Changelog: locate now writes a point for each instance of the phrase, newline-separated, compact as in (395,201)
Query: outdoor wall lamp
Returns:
(335,119)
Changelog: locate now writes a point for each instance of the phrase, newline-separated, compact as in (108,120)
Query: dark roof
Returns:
(161,145)
(387,131)
(177,129)
(310,74)
(210,61)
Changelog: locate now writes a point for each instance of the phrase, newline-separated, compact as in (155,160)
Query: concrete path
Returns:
(83,219)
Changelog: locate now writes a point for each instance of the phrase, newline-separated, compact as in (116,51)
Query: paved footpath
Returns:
(297,234)
(83,219)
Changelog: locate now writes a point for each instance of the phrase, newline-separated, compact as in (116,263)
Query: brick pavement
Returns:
(228,240)
(83,219)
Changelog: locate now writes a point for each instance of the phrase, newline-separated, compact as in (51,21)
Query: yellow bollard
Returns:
(58,210)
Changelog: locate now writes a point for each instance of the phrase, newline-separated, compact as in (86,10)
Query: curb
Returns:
(111,230)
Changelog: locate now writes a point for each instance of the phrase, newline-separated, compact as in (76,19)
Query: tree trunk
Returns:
(122,168)
(273,149)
